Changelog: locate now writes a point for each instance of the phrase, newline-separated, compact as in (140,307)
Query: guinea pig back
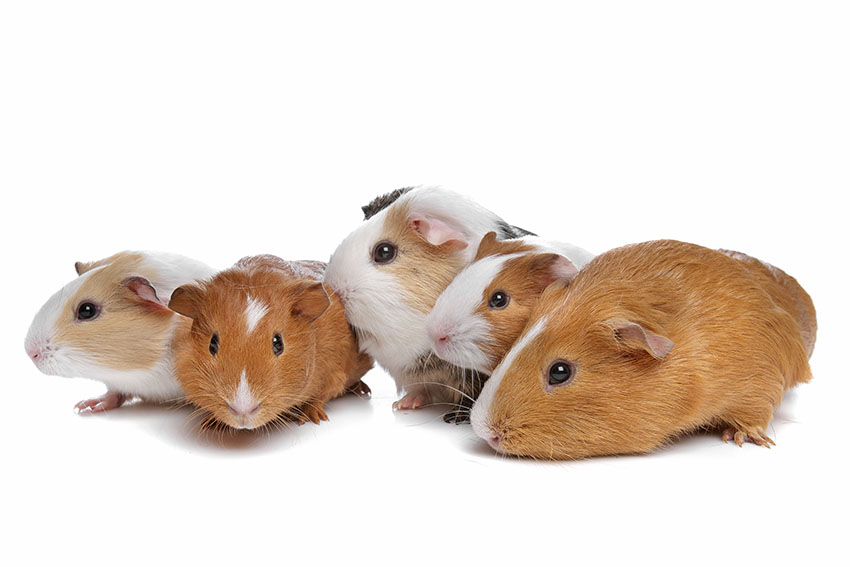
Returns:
(647,342)
(268,342)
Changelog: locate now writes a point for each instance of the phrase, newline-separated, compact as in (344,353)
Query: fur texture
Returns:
(465,329)
(663,338)
(436,233)
(128,344)
(262,302)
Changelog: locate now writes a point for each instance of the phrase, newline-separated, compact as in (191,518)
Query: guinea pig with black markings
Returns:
(390,271)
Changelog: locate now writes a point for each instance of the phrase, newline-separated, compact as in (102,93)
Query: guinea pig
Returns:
(482,312)
(112,324)
(647,342)
(267,344)
(390,271)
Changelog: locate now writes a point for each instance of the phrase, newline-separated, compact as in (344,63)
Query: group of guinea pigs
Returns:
(548,351)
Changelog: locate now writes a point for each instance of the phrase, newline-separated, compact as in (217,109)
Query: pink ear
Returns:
(548,268)
(563,269)
(437,232)
(144,291)
(654,344)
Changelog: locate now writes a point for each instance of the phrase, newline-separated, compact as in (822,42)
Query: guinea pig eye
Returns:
(277,344)
(499,300)
(560,373)
(384,253)
(214,344)
(87,311)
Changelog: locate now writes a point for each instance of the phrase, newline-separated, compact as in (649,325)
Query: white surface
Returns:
(220,130)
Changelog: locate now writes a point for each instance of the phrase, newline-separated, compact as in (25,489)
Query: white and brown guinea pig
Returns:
(482,312)
(112,324)
(390,271)
(267,344)
(647,342)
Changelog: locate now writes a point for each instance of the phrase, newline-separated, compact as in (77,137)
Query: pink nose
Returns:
(494,440)
(242,411)
(34,352)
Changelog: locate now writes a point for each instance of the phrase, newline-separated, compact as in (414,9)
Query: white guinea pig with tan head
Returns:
(483,311)
(112,324)
(390,271)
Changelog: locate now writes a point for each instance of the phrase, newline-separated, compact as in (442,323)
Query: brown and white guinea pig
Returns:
(112,324)
(390,271)
(482,312)
(267,342)
(647,342)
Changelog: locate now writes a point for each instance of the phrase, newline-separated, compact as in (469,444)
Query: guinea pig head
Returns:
(482,312)
(581,380)
(248,355)
(108,320)
(389,272)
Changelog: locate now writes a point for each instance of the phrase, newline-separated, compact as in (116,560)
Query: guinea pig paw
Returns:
(740,437)
(413,400)
(109,401)
(314,413)
(361,390)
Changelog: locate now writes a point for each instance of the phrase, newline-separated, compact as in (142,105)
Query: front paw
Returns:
(108,401)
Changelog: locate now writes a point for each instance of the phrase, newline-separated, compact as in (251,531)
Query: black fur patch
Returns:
(507,231)
(381,202)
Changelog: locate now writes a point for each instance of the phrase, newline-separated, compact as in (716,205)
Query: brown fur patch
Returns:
(523,279)
(423,269)
(320,358)
(490,245)
(127,334)
(736,328)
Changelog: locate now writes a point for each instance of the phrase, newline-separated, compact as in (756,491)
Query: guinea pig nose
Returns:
(244,411)
(493,440)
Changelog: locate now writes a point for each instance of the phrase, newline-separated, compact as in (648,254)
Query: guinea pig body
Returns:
(266,343)
(479,316)
(390,271)
(111,324)
(647,342)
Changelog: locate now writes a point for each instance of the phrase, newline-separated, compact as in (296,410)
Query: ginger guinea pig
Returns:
(390,271)
(482,312)
(267,343)
(647,342)
(111,324)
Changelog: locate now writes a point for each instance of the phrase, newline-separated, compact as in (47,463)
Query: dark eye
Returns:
(499,300)
(277,344)
(560,373)
(87,311)
(384,253)
(214,344)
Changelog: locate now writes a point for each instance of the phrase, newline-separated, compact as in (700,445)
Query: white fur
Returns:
(255,310)
(243,400)
(166,272)
(454,315)
(390,330)
(481,409)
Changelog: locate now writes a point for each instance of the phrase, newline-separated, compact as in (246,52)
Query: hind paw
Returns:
(739,437)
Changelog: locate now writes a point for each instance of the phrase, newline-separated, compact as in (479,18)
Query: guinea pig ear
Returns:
(310,301)
(487,245)
(548,268)
(437,232)
(634,335)
(144,292)
(83,267)
(186,300)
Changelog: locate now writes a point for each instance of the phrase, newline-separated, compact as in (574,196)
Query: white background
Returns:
(219,130)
